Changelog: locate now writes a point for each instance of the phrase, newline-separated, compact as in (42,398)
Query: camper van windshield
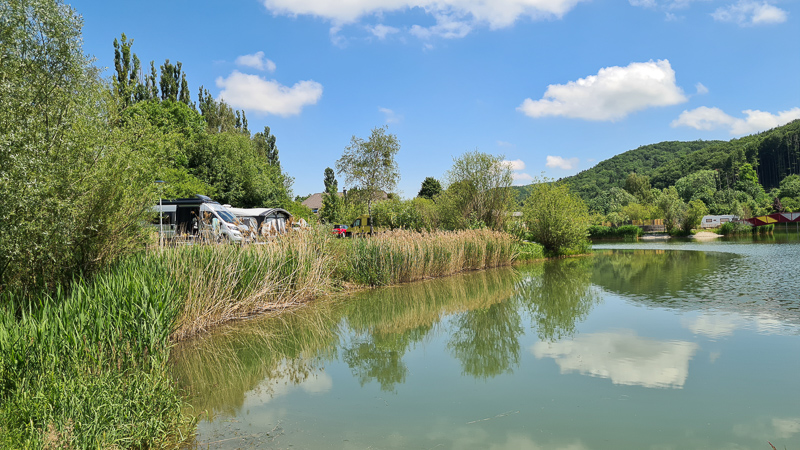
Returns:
(225,215)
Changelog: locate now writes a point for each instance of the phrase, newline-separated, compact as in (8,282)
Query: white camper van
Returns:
(198,217)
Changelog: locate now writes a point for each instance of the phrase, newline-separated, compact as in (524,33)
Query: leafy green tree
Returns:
(748,182)
(613,200)
(639,187)
(170,81)
(790,187)
(370,166)
(126,80)
(672,208)
(698,185)
(330,198)
(693,216)
(266,144)
(430,188)
(74,189)
(556,217)
(482,185)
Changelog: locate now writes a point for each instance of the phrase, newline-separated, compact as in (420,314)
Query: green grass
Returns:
(87,367)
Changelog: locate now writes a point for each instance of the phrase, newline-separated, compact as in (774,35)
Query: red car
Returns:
(340,230)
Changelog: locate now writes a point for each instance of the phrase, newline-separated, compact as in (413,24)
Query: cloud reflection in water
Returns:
(623,357)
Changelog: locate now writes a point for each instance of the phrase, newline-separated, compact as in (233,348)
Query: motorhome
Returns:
(196,218)
(259,222)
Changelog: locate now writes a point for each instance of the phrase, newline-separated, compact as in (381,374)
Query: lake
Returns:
(647,345)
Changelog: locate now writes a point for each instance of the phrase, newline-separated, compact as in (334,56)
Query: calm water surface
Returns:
(650,345)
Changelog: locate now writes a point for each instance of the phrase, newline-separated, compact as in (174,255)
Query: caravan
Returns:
(196,218)
(261,222)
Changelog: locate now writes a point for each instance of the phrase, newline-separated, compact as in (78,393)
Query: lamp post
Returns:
(160,216)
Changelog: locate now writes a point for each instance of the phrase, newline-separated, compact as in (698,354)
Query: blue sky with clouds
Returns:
(553,85)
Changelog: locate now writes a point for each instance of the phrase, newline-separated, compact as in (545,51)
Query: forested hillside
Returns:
(753,175)
(643,161)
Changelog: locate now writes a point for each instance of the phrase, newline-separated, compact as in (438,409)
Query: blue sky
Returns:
(553,85)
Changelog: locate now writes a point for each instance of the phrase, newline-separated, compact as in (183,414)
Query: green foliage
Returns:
(416,214)
(369,166)
(94,346)
(74,190)
(479,191)
(621,232)
(430,188)
(790,186)
(612,200)
(556,217)
(698,185)
(331,202)
(530,251)
(672,208)
(644,161)
(266,146)
(639,187)
(694,214)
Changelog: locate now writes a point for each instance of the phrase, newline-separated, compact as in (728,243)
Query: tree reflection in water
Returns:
(557,295)
(486,340)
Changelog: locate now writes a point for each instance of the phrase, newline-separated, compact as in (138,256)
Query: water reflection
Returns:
(486,340)
(397,367)
(623,357)
(557,295)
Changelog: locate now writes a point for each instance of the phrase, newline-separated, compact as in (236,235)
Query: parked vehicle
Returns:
(340,230)
(195,218)
(261,222)
(360,227)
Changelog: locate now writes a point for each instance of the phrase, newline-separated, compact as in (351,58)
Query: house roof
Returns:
(314,201)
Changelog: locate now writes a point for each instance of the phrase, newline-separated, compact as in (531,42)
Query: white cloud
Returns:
(561,163)
(504,144)
(701,89)
(705,118)
(446,27)
(612,94)
(522,179)
(256,61)
(251,92)
(381,31)
(454,18)
(749,13)
(391,116)
(623,357)
(515,165)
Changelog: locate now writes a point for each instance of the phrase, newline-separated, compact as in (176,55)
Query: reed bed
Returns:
(87,367)
(219,283)
(401,256)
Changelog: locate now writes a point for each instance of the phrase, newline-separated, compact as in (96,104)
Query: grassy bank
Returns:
(86,366)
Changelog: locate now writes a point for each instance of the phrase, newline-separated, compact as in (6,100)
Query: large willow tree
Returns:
(73,190)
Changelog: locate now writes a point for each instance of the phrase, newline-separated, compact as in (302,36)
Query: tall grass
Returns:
(87,367)
(401,256)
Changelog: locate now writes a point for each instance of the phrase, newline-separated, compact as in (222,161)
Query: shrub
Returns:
(556,218)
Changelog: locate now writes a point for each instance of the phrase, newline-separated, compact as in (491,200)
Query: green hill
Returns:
(774,154)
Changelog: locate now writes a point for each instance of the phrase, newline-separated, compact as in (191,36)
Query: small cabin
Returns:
(717,221)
